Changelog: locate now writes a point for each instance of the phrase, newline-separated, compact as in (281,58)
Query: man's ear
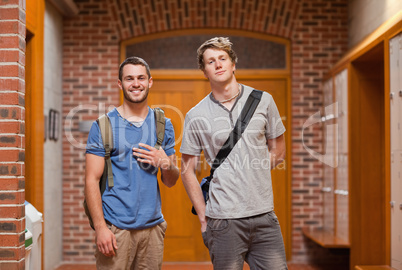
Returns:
(119,84)
(151,82)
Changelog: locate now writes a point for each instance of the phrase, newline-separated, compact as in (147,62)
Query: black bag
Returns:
(245,115)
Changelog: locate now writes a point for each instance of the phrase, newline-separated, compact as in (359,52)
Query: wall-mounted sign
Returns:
(53,126)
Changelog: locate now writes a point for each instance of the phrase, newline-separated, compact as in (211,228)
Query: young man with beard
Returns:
(128,221)
(238,223)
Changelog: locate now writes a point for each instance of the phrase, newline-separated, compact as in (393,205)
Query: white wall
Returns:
(365,16)
(53,53)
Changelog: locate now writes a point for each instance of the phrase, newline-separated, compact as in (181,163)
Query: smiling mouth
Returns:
(220,72)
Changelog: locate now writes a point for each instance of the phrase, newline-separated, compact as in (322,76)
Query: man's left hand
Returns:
(151,155)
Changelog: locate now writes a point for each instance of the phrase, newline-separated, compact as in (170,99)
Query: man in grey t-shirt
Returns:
(238,223)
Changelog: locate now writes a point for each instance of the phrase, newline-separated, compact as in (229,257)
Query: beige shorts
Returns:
(137,249)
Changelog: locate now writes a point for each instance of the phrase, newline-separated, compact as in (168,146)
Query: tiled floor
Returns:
(184,266)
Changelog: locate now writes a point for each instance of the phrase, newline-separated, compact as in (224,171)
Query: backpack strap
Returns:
(107,138)
(160,126)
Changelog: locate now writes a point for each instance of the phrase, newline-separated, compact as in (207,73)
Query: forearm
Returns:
(169,171)
(277,150)
(276,157)
(194,192)
(170,174)
(94,202)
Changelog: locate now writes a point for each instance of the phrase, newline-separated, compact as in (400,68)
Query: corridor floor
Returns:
(185,266)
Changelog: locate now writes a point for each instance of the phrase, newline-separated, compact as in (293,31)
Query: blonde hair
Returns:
(217,43)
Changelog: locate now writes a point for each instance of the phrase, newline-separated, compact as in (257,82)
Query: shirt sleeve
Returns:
(169,139)
(95,142)
(190,144)
(275,127)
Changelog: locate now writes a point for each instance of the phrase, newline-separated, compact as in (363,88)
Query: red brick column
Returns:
(12,134)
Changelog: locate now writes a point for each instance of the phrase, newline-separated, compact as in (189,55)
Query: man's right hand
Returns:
(106,241)
(203,226)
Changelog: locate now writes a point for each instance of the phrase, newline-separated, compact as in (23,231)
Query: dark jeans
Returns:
(256,240)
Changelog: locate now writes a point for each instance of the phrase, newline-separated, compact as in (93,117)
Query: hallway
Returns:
(329,65)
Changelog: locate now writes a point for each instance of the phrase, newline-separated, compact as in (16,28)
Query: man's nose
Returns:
(136,83)
(218,64)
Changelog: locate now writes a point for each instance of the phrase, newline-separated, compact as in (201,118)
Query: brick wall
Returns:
(90,72)
(12,137)
(317,29)
(318,40)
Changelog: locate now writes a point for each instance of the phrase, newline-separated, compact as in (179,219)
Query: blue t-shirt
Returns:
(134,202)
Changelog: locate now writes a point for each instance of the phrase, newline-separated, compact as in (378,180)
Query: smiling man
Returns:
(128,221)
(238,223)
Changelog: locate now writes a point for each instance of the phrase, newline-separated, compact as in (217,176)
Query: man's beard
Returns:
(130,99)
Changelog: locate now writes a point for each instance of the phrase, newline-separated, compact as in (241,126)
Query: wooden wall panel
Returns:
(395,56)
(367,166)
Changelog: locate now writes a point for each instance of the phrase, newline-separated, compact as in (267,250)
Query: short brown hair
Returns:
(134,60)
(217,43)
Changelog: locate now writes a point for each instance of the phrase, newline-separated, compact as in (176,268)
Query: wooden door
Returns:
(183,241)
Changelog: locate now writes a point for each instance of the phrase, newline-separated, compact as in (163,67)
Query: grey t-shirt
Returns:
(241,185)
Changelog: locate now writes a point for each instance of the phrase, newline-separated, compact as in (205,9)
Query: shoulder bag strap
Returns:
(245,115)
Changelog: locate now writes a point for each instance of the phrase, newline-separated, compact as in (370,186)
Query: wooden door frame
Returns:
(194,74)
(34,120)
(35,14)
